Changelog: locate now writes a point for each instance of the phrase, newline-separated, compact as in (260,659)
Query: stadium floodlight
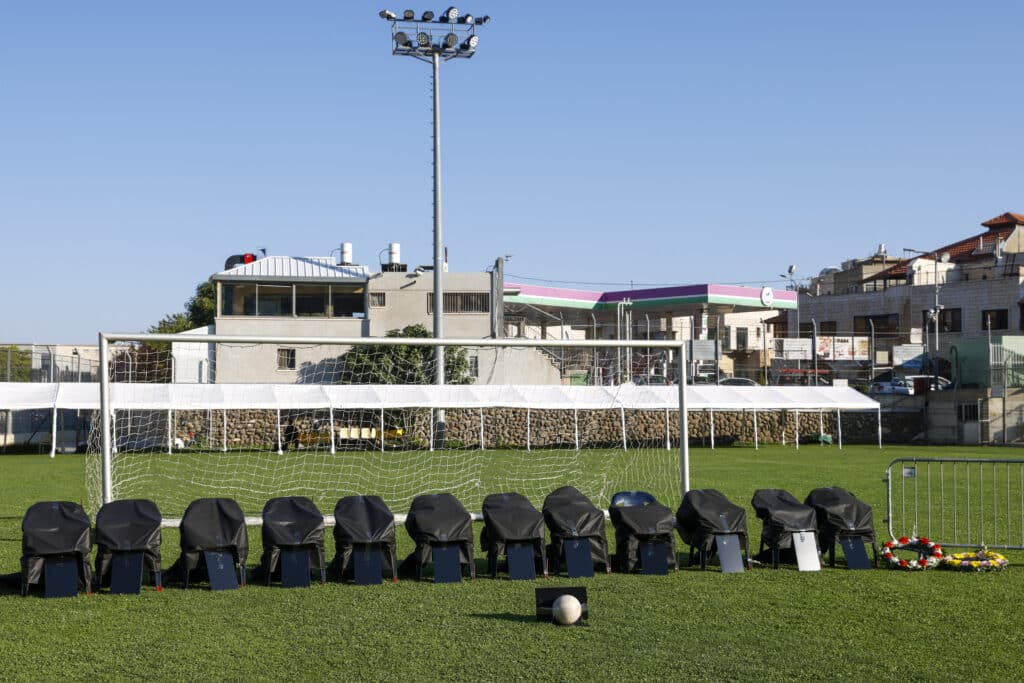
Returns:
(466,19)
(433,44)
(480,21)
(388,14)
(408,15)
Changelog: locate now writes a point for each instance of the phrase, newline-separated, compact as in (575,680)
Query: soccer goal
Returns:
(184,417)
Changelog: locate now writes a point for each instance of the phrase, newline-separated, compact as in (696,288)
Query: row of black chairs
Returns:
(214,538)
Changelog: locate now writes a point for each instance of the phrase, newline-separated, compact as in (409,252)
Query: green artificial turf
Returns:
(762,625)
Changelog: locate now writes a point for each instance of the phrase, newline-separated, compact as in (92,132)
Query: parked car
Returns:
(942,384)
(905,385)
(897,385)
(651,379)
(737,382)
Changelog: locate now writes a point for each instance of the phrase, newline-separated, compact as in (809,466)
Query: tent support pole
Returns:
(170,432)
(527,429)
(796,428)
(821,426)
(280,445)
(711,415)
(879,427)
(622,419)
(330,427)
(224,440)
(756,439)
(482,447)
(684,433)
(53,432)
(839,427)
(576,426)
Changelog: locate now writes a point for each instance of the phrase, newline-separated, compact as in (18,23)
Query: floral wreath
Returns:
(928,554)
(984,560)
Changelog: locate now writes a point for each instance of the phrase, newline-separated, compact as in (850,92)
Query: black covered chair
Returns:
(437,522)
(510,519)
(128,527)
(363,523)
(782,515)
(706,513)
(212,525)
(841,515)
(639,519)
(570,516)
(54,534)
(292,524)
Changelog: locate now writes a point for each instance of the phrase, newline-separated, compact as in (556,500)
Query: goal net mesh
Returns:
(257,421)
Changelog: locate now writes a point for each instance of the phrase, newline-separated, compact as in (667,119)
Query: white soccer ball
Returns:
(566,610)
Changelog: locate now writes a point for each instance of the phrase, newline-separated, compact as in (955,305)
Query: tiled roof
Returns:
(968,249)
(294,268)
(1007,218)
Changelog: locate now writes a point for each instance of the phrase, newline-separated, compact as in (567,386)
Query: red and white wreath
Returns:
(928,554)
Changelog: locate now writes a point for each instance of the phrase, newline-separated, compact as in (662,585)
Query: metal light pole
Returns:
(790,275)
(937,308)
(451,35)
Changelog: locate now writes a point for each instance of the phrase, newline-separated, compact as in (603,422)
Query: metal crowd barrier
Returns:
(958,502)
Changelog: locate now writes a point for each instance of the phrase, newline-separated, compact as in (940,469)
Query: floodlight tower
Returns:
(452,35)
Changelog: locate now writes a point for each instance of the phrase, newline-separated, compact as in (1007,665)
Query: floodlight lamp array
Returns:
(452,34)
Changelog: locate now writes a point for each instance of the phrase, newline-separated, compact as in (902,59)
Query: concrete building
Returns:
(970,289)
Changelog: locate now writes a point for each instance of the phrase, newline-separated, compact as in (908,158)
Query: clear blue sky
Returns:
(142,143)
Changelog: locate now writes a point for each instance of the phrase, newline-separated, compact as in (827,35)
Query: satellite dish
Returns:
(792,269)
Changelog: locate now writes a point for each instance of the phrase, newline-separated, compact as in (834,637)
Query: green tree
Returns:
(202,307)
(15,364)
(378,364)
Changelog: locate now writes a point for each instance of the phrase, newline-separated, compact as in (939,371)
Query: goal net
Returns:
(193,417)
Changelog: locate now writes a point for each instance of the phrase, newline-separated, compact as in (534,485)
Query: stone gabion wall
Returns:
(511,427)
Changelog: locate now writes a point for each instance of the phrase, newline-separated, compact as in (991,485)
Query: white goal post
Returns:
(141,446)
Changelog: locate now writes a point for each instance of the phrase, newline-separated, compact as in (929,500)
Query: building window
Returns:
(474,366)
(462,302)
(348,302)
(285,359)
(827,327)
(807,330)
(883,324)
(950,320)
(274,300)
(311,300)
(995,319)
(378,299)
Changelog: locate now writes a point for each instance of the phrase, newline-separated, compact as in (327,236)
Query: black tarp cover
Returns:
(439,518)
(706,512)
(212,524)
(840,513)
(361,520)
(782,514)
(130,525)
(638,523)
(510,517)
(569,514)
(52,529)
(291,521)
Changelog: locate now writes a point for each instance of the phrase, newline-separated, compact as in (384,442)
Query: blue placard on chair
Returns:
(295,568)
(521,566)
(447,568)
(653,558)
(578,562)
(729,553)
(126,573)
(366,565)
(855,553)
(220,567)
(60,576)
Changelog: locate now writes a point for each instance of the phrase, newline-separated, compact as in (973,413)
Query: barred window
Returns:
(285,359)
(378,299)
(462,302)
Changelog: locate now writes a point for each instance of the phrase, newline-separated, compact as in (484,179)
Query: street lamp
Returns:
(451,36)
(790,275)
(934,313)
